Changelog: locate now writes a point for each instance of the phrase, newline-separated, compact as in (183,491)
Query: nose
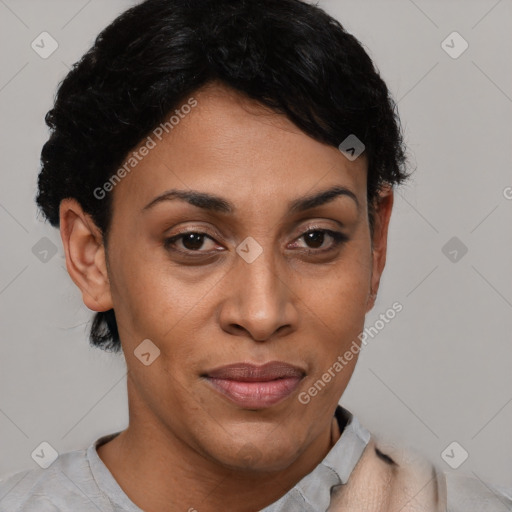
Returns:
(259,301)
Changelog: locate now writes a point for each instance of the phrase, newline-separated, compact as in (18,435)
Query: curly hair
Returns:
(288,55)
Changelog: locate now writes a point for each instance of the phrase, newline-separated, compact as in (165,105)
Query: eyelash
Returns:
(338,239)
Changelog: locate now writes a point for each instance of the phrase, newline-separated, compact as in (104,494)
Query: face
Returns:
(250,295)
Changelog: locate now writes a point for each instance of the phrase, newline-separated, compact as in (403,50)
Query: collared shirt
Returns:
(313,492)
(79,481)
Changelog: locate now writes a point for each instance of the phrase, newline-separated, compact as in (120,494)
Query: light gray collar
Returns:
(313,492)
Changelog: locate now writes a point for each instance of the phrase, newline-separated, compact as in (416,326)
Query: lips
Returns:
(256,387)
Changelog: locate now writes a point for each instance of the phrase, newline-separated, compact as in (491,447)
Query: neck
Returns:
(161,473)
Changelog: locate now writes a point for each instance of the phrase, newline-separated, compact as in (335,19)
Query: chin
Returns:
(259,456)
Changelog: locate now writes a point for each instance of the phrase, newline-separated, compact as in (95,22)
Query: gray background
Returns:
(439,372)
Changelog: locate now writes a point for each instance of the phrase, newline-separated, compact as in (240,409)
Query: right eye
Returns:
(190,241)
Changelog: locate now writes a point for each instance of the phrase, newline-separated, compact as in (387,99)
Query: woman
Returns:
(222,175)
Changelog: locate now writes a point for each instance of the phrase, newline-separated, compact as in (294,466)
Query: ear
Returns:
(85,255)
(383,206)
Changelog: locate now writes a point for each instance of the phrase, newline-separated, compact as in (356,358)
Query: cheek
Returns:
(339,296)
(335,329)
(337,308)
(148,299)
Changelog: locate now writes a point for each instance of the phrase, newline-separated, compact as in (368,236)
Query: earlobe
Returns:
(370,301)
(85,255)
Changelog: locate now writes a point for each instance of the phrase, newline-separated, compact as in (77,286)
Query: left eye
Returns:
(315,238)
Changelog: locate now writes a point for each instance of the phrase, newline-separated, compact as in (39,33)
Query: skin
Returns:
(187,446)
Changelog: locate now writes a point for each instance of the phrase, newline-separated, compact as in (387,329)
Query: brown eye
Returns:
(316,238)
(191,241)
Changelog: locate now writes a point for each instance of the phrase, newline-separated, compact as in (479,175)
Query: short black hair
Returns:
(289,55)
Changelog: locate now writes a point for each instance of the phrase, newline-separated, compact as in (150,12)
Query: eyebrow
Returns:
(215,203)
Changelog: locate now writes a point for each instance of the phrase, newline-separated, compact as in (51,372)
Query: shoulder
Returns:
(16,492)
(66,485)
(391,478)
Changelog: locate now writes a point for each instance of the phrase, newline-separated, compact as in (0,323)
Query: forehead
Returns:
(231,146)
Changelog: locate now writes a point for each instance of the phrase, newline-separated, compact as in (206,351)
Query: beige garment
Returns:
(388,479)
